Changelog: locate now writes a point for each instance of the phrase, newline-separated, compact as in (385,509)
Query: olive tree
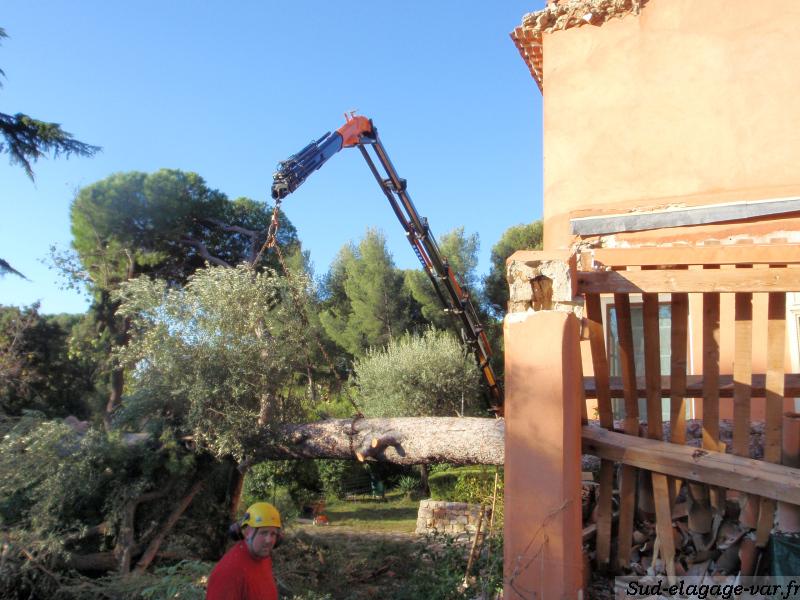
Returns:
(222,355)
(418,375)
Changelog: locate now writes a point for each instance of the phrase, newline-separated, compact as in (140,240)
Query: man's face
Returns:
(260,540)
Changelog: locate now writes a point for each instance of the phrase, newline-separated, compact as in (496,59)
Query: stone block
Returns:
(543,281)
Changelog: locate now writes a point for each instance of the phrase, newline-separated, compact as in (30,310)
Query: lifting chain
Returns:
(272,235)
(272,242)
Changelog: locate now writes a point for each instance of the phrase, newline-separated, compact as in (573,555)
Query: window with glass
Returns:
(637,325)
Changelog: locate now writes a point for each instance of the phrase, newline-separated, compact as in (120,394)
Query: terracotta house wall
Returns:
(686,103)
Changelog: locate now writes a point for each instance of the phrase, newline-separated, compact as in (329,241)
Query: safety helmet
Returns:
(262,514)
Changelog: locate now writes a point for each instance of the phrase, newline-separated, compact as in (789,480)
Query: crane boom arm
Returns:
(359,131)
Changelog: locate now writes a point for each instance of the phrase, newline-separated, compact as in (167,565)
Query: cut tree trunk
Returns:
(404,441)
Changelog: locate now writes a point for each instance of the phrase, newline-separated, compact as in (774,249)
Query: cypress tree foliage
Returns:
(26,139)
(367,304)
(519,237)
(461,252)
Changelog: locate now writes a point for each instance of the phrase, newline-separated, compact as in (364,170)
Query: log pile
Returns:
(716,532)
(711,544)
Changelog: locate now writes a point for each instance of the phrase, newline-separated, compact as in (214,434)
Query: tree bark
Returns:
(408,441)
(423,480)
(235,489)
(121,339)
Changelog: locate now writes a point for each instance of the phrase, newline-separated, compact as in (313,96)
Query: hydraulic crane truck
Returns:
(358,131)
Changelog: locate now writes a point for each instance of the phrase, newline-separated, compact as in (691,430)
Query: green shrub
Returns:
(427,375)
(336,476)
(289,484)
(464,484)
(442,485)
(182,580)
(407,484)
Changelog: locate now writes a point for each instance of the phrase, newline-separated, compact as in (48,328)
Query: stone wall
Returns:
(452,518)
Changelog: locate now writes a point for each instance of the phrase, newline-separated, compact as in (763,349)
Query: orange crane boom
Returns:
(358,131)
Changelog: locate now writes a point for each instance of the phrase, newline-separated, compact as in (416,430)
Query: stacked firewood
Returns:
(714,530)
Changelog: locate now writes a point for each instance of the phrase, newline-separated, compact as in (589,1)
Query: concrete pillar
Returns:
(542,557)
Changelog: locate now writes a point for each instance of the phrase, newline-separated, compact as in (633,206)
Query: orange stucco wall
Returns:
(686,103)
(542,550)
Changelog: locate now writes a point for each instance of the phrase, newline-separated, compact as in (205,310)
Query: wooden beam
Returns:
(622,307)
(694,386)
(594,313)
(680,280)
(627,501)
(679,328)
(605,514)
(652,365)
(627,486)
(678,363)
(742,373)
(740,254)
(775,392)
(711,379)
(714,468)
(590,531)
(664,523)
(711,368)
(773,426)
(597,342)
(766,521)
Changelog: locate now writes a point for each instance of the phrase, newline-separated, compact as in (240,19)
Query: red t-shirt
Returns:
(239,576)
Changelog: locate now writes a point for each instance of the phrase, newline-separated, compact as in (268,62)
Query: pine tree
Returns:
(367,304)
(461,252)
(518,237)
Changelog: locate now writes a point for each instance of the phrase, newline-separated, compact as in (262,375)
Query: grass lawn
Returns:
(397,513)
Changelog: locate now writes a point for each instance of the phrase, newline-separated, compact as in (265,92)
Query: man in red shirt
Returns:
(245,572)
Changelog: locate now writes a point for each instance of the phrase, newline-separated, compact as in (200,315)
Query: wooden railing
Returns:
(741,271)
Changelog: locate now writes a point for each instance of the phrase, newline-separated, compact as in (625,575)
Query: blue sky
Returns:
(229,89)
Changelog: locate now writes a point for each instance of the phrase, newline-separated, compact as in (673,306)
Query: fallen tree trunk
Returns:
(403,441)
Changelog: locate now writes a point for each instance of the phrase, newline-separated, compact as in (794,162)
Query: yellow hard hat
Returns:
(262,514)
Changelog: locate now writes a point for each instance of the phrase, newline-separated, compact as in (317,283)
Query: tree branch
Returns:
(27,139)
(155,543)
(231,228)
(126,542)
(202,250)
(252,234)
